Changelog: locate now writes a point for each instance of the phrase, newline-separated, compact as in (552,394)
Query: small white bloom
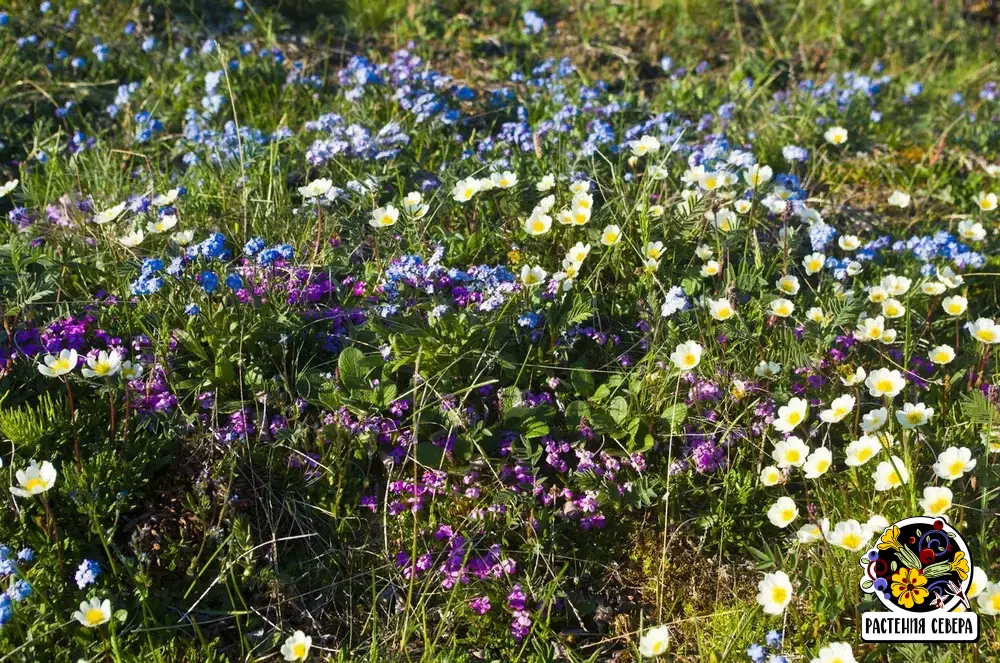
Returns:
(654,642)
(687,355)
(783,512)
(774,592)
(93,613)
(316,188)
(34,479)
(954,462)
(836,135)
(296,646)
(899,199)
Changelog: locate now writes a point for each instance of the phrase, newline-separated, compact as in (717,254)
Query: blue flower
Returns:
(192,310)
(253,247)
(756,653)
(209,281)
(87,573)
(19,591)
(234,281)
(773,638)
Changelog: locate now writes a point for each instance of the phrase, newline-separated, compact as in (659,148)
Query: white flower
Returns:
(937,501)
(414,206)
(862,450)
(815,314)
(686,355)
(876,525)
(610,235)
(757,175)
(93,613)
(788,285)
(850,535)
(836,135)
(808,533)
(704,251)
(955,305)
(579,186)
(992,170)
(109,214)
(532,275)
(783,512)
(839,408)
(791,415)
(710,268)
(654,250)
(971,230)
(742,206)
(948,277)
(857,377)
(645,145)
(893,308)
(721,309)
(877,294)
(774,592)
(932,288)
(890,474)
(818,462)
(978,584)
(835,652)
(874,419)
(986,201)
(654,641)
(104,365)
(713,180)
(164,199)
(316,188)
(132,239)
(989,599)
(537,224)
(724,219)
(578,253)
(8,187)
(954,462)
(55,366)
(849,242)
(767,369)
(984,330)
(657,172)
(870,329)
(899,199)
(296,647)
(131,371)
(34,479)
(914,414)
(885,382)
(546,183)
(183,237)
(162,224)
(465,189)
(888,337)
(383,217)
(790,452)
(782,307)
(814,262)
(941,355)
(895,285)
(504,180)
(770,476)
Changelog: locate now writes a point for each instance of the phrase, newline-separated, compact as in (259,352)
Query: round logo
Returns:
(919,564)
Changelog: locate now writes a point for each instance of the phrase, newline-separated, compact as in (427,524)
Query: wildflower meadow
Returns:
(418,331)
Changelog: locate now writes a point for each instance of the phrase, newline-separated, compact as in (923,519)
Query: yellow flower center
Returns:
(690,359)
(852,540)
(95,616)
(884,385)
(914,416)
(299,649)
(986,335)
(779,594)
(956,467)
(34,483)
(938,505)
(795,417)
(787,515)
(863,454)
(793,456)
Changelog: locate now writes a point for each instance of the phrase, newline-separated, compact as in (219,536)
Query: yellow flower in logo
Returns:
(908,587)
(890,539)
(960,565)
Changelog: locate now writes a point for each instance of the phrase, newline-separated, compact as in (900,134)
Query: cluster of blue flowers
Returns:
(18,590)
(758,653)
(86,573)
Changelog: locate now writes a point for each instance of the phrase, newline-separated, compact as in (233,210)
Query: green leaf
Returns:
(583,382)
(675,414)
(349,367)
(618,409)
(577,410)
